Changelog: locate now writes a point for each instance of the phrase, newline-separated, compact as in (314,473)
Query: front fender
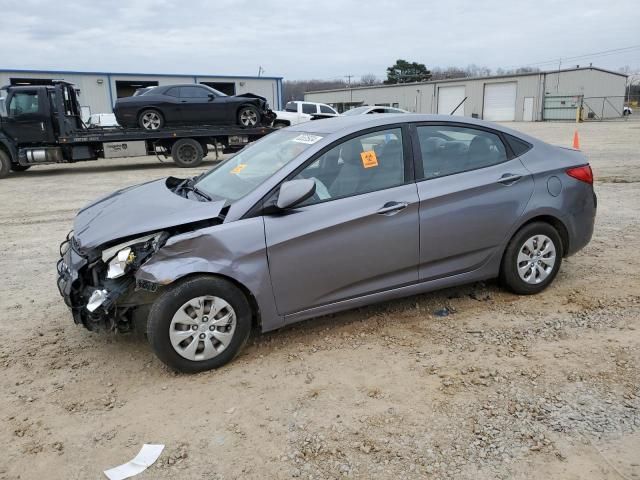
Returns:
(236,250)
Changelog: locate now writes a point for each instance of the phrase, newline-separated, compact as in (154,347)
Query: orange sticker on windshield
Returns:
(369,159)
(239,168)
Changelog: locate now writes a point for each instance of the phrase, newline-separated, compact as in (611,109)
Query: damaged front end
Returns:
(99,285)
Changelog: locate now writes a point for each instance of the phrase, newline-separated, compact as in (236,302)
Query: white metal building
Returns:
(552,95)
(100,90)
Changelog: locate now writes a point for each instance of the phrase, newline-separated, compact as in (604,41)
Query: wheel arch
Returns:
(256,319)
(550,217)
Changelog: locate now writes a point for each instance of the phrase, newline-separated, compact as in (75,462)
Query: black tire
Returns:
(187,153)
(278,124)
(166,306)
(509,275)
(5,164)
(248,116)
(20,168)
(151,113)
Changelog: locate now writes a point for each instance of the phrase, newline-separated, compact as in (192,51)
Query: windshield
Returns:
(291,107)
(356,111)
(243,172)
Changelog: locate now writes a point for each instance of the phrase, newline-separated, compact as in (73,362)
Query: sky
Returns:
(322,39)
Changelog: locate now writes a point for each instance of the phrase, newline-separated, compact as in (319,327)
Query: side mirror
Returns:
(294,192)
(211,96)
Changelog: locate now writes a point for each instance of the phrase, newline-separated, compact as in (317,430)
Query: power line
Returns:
(603,53)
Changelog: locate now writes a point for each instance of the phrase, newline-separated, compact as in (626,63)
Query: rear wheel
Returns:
(199,324)
(5,164)
(151,119)
(532,259)
(187,152)
(248,116)
(278,124)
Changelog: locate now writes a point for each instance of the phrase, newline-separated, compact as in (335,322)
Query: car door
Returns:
(472,193)
(28,119)
(198,105)
(359,233)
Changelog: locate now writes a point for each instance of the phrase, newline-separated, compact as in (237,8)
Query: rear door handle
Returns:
(391,208)
(509,178)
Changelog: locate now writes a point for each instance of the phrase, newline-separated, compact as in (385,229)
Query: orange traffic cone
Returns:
(576,140)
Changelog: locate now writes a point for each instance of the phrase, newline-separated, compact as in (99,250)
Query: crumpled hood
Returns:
(137,210)
(251,95)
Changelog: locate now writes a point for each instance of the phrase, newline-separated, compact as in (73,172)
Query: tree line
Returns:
(402,71)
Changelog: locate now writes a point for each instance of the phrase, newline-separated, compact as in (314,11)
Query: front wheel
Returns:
(248,116)
(151,119)
(532,259)
(5,164)
(199,324)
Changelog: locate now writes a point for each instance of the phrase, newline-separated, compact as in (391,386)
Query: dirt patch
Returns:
(470,382)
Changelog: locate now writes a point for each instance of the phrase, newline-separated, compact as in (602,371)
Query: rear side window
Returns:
(309,108)
(447,150)
(518,146)
(172,92)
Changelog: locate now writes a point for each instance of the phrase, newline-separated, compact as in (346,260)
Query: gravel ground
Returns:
(501,387)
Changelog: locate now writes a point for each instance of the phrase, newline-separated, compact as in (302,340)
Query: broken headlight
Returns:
(125,256)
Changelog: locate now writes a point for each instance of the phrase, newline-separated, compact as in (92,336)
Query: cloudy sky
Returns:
(301,39)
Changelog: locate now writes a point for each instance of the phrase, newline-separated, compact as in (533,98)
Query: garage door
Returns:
(449,98)
(500,102)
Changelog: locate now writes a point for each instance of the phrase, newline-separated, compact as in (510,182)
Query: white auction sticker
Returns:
(306,138)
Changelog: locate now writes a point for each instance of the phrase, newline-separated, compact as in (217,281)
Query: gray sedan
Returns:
(322,217)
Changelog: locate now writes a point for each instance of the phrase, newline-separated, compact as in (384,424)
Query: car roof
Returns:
(344,125)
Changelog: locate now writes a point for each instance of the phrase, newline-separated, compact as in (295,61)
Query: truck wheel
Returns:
(199,323)
(187,152)
(248,116)
(151,119)
(278,124)
(20,168)
(5,164)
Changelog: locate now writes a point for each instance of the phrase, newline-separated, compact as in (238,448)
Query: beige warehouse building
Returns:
(552,95)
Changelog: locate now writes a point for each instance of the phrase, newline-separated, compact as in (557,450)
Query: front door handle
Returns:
(391,208)
(509,178)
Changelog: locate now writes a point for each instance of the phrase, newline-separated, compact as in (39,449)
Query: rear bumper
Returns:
(582,223)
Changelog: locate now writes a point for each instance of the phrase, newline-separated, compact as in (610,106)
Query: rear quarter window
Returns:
(518,146)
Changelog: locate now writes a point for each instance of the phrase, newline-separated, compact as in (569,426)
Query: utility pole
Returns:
(558,79)
(260,70)
(349,77)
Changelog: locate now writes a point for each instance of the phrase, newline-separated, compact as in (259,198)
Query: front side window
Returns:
(309,108)
(326,109)
(291,107)
(243,172)
(371,162)
(447,149)
(193,92)
(22,103)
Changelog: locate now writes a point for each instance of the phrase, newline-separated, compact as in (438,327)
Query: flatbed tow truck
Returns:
(42,124)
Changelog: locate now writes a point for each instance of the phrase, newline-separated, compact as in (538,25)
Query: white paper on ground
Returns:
(146,457)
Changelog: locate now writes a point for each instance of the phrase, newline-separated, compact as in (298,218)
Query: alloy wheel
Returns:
(151,121)
(202,328)
(248,117)
(536,259)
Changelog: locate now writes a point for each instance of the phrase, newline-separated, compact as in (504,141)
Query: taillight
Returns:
(584,174)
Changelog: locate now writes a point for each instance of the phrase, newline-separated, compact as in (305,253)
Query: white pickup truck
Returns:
(298,112)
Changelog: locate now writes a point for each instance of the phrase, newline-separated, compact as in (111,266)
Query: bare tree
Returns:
(369,79)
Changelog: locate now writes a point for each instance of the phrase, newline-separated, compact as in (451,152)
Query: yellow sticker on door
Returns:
(369,159)
(239,168)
